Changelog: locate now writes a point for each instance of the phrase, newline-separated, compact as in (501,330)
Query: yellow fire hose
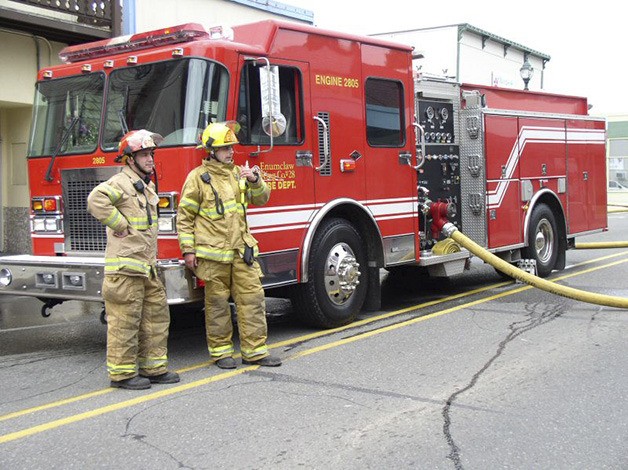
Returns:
(451,231)
(595,245)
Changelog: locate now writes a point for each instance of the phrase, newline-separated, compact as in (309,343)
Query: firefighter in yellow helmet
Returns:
(135,300)
(218,246)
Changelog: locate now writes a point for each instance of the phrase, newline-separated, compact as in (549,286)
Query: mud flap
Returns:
(373,300)
(561,259)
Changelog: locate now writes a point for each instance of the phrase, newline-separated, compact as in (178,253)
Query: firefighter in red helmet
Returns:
(138,318)
(218,246)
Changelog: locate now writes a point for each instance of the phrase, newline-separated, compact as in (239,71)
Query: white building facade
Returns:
(472,55)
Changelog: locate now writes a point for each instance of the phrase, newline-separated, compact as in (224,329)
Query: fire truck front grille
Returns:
(83,233)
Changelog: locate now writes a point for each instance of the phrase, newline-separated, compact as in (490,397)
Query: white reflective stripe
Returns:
(299,216)
(540,135)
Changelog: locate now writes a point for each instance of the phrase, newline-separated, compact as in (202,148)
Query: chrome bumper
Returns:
(80,278)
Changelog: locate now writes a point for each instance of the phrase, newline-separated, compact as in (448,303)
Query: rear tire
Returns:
(337,277)
(543,243)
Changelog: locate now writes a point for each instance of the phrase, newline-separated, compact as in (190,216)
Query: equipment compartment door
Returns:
(502,185)
(504,220)
(586,176)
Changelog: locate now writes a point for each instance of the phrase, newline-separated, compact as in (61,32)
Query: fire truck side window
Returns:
(67,111)
(384,113)
(250,107)
(176,99)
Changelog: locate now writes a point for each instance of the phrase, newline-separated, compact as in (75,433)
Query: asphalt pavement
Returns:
(470,373)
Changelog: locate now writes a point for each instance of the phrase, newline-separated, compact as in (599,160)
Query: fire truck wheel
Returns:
(542,240)
(337,277)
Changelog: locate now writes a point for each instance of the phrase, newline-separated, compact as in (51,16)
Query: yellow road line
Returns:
(56,403)
(187,386)
(118,406)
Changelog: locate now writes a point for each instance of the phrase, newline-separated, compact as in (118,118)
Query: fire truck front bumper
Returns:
(80,278)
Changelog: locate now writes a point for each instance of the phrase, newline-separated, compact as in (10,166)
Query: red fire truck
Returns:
(364,157)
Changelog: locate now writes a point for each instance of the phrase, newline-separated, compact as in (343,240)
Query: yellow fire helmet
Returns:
(134,141)
(219,134)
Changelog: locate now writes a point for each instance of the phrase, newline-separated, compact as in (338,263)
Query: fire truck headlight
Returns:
(46,224)
(38,224)
(5,277)
(167,224)
(52,225)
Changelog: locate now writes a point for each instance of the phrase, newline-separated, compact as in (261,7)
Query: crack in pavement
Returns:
(274,376)
(533,320)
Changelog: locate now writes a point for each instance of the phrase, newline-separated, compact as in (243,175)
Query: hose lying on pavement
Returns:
(595,245)
(451,231)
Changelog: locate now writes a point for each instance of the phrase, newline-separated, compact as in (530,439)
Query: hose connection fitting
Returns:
(448,229)
(441,212)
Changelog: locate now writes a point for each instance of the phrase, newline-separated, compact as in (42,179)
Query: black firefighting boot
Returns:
(268,361)
(165,378)
(134,383)
(226,363)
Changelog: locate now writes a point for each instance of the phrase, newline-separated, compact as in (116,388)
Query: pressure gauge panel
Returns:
(437,120)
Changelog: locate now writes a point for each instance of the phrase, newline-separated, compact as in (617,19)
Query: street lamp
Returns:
(526,71)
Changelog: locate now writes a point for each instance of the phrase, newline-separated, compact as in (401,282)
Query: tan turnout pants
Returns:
(138,319)
(242,283)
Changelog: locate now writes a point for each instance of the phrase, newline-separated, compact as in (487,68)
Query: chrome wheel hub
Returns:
(342,273)
(544,241)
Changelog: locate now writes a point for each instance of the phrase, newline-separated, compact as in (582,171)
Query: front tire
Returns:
(337,277)
(543,243)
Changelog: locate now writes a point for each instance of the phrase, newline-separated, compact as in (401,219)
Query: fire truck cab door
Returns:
(286,163)
(390,141)
(336,129)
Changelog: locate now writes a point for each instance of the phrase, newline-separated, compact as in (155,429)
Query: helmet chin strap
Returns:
(138,169)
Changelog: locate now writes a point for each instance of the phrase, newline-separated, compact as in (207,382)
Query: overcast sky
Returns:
(587,42)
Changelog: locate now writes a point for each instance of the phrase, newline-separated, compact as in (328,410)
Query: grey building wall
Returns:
(16,230)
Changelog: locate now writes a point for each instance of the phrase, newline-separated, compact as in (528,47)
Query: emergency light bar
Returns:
(159,37)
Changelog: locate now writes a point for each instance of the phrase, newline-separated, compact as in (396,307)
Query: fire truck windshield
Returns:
(67,113)
(175,98)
